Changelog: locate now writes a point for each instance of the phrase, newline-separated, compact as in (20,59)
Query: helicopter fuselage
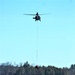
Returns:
(37,17)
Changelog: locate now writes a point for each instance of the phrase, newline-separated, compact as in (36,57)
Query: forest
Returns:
(27,69)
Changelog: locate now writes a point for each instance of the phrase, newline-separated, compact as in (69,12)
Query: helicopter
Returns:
(36,16)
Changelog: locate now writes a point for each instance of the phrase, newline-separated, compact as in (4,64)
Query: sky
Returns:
(56,32)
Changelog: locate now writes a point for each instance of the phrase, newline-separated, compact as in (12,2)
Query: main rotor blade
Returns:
(45,14)
(30,14)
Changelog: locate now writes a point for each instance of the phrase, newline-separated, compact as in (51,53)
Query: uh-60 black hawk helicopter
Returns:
(37,16)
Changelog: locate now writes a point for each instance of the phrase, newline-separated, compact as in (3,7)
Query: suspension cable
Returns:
(37,45)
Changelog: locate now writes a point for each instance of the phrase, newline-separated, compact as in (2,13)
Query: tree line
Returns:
(27,69)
